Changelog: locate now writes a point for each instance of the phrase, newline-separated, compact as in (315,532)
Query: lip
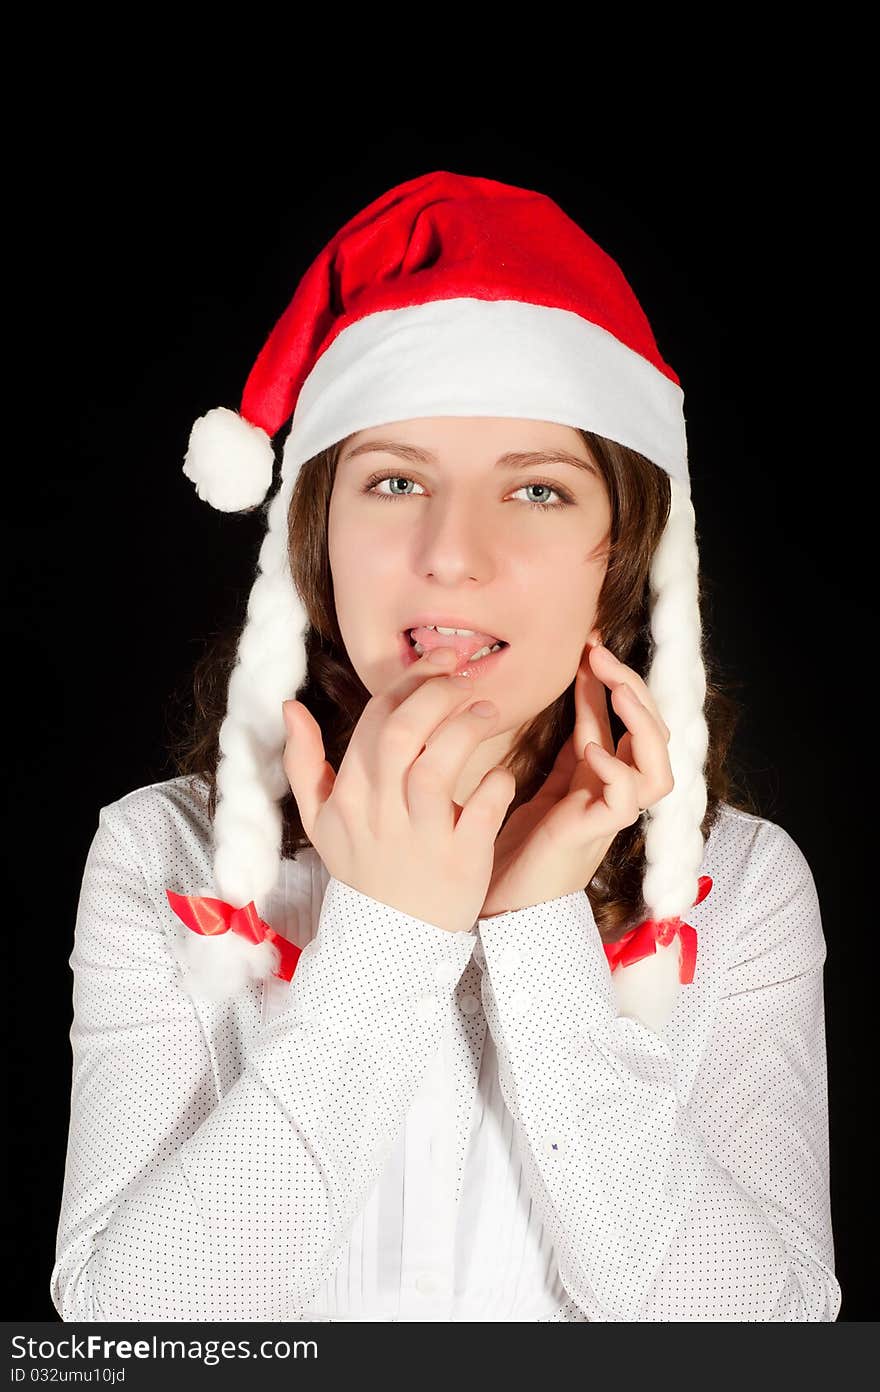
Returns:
(444,621)
(476,670)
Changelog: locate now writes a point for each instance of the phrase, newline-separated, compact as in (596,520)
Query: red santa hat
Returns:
(462,296)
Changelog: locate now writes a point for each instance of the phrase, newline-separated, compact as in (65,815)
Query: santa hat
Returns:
(460,296)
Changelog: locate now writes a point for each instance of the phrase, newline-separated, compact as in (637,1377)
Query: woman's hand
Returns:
(386,824)
(555,843)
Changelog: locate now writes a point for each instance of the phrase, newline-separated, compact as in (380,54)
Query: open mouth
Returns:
(449,642)
(484,659)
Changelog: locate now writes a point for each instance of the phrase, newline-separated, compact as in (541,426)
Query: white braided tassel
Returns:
(648,990)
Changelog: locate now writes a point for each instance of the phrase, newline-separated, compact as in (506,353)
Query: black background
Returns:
(160,244)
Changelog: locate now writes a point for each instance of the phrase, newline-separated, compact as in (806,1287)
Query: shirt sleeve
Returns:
(715,1211)
(180,1206)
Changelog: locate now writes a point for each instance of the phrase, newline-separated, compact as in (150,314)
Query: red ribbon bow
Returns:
(213,916)
(642,940)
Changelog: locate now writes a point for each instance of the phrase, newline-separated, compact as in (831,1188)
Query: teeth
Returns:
(465,633)
(483,652)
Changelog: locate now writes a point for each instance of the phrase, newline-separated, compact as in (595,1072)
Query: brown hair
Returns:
(639,495)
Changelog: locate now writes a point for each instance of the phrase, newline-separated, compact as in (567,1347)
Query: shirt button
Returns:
(509,960)
(554,1144)
(519,1003)
(427,1007)
(445,972)
(469,1004)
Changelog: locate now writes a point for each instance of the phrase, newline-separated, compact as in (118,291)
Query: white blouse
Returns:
(423,1125)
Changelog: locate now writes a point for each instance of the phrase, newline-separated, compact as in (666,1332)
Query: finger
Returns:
(558,780)
(591,710)
(405,733)
(610,670)
(436,662)
(590,723)
(479,821)
(625,755)
(601,803)
(624,748)
(647,747)
(427,665)
(361,762)
(431,780)
(310,776)
(618,805)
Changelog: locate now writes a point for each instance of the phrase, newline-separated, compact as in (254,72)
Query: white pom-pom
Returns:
(219,967)
(230,460)
(648,990)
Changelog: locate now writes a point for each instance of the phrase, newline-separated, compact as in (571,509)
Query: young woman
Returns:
(449,980)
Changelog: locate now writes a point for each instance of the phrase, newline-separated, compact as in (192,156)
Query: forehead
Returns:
(489,439)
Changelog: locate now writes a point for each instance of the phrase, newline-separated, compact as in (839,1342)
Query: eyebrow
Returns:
(514,459)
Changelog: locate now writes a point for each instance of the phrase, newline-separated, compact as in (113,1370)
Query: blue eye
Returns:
(543,506)
(565,497)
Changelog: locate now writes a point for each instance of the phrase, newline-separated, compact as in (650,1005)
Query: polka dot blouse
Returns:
(431,1126)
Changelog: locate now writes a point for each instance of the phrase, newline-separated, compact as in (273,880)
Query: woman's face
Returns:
(448,529)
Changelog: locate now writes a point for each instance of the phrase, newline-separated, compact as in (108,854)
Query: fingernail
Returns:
(484,708)
(440,656)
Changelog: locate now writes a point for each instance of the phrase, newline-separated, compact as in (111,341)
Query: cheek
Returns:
(560,601)
(350,550)
(561,586)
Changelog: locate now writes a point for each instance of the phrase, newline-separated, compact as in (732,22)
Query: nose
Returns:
(453,541)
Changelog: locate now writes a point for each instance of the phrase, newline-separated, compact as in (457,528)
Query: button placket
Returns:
(506,966)
(508,960)
(429,1213)
(445,973)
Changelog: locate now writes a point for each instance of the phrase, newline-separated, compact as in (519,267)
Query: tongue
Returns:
(464,643)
